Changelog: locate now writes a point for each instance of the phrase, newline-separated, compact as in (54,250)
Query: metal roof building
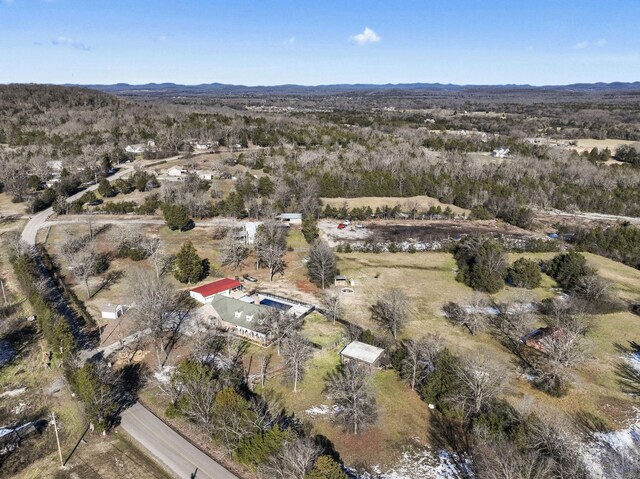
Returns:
(362,352)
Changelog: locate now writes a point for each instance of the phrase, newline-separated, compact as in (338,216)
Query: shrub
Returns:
(481,263)
(326,468)
(524,273)
(176,217)
(568,269)
(255,450)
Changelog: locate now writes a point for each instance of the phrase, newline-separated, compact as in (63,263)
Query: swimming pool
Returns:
(273,303)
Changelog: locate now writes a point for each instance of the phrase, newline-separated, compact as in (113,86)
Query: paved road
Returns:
(176,453)
(30,231)
(168,447)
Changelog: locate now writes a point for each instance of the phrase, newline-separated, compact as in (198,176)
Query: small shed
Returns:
(112,311)
(340,280)
(363,353)
(291,218)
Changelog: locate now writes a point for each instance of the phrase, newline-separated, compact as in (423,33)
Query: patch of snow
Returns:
(634,360)
(624,442)
(13,393)
(417,463)
(323,410)
(165,375)
(19,409)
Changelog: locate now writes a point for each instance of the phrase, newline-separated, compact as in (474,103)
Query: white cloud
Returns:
(367,36)
(65,41)
(290,41)
(586,44)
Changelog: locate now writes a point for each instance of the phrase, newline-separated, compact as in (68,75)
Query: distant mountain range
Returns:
(173,89)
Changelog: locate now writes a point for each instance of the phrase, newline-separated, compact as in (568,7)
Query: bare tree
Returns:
(157,255)
(234,251)
(479,385)
(83,265)
(16,245)
(322,263)
(474,315)
(296,351)
(265,361)
(420,357)
(277,325)
(332,304)
(496,458)
(155,304)
(348,388)
(272,256)
(593,288)
(548,436)
(391,310)
(293,461)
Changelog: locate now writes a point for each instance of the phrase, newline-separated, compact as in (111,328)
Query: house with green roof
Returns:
(238,316)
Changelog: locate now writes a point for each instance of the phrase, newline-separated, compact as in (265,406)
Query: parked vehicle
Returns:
(342,226)
(251,279)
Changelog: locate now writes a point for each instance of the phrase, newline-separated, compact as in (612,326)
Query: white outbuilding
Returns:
(112,311)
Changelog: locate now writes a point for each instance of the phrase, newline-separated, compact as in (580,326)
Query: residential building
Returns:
(205,293)
(290,218)
(241,317)
(176,171)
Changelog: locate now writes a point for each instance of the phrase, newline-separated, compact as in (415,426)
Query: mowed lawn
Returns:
(428,279)
(402,415)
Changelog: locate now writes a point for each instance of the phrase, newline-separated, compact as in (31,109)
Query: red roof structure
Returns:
(219,286)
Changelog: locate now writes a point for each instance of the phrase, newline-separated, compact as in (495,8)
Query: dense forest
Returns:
(341,151)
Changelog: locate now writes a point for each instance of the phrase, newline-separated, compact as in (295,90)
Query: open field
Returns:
(8,207)
(423,202)
(587,144)
(429,281)
(402,416)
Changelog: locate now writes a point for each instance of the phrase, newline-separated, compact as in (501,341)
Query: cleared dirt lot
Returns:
(419,231)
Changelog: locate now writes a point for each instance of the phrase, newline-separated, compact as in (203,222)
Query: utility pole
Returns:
(55,426)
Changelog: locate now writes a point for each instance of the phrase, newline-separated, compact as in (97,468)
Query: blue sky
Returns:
(267,42)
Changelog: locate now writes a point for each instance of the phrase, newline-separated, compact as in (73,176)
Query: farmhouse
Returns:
(176,171)
(535,339)
(500,153)
(362,353)
(205,293)
(238,316)
(112,311)
(140,147)
(205,175)
(291,218)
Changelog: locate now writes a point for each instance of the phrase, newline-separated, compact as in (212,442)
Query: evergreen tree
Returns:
(310,229)
(189,267)
(524,273)
(326,468)
(105,189)
(176,217)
